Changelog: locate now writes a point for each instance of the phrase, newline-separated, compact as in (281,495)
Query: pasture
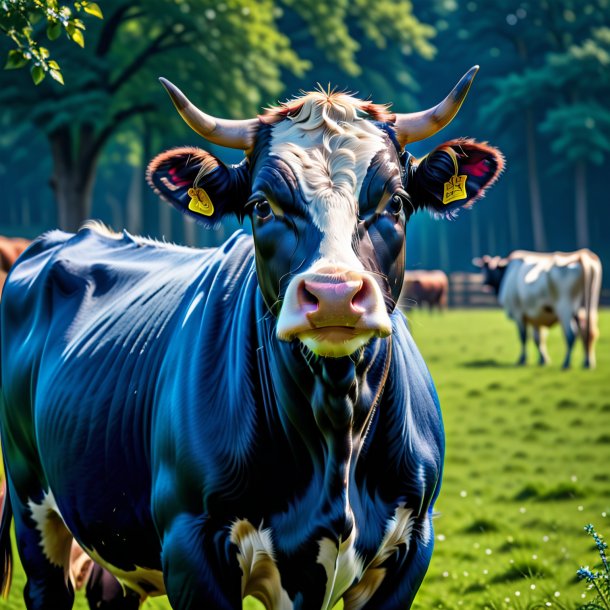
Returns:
(528,450)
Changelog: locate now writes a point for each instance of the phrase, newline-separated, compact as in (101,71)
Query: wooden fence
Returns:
(467,290)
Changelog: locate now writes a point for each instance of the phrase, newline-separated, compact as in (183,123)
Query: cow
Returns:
(10,249)
(539,289)
(253,419)
(430,287)
(102,590)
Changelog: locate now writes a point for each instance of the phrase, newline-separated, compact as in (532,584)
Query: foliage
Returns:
(22,20)
(335,25)
(598,581)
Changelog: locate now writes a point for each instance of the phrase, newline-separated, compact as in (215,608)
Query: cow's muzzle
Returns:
(333,312)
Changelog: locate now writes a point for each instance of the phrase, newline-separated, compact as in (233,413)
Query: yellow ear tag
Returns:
(455,189)
(200,203)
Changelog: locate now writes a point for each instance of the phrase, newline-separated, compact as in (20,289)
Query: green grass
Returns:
(527,464)
(528,452)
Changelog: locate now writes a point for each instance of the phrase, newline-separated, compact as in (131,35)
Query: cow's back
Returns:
(88,321)
(535,285)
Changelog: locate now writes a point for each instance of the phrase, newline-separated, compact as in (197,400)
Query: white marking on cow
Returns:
(55,538)
(134,579)
(260,574)
(398,531)
(330,149)
(342,566)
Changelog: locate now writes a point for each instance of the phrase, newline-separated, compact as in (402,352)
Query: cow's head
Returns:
(493,269)
(329,190)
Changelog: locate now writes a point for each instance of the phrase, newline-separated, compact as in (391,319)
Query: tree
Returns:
(22,20)
(114,80)
(232,56)
(578,123)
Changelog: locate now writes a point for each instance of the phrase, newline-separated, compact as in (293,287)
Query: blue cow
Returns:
(253,419)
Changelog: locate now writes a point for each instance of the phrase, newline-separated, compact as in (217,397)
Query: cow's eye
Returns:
(263,210)
(395,205)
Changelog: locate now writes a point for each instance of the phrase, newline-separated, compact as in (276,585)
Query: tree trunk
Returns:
(73,177)
(513,215)
(443,248)
(581,205)
(73,192)
(540,243)
(134,201)
(190,231)
(475,240)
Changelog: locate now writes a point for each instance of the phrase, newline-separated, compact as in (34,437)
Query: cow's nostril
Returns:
(362,298)
(307,299)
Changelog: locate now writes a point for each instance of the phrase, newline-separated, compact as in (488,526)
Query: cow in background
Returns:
(539,289)
(425,287)
(253,419)
(10,249)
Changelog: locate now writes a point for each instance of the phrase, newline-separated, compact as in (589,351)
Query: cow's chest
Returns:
(347,574)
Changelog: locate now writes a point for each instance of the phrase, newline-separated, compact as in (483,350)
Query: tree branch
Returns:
(139,60)
(112,25)
(113,124)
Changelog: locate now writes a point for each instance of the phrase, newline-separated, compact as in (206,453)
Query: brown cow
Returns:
(10,249)
(419,287)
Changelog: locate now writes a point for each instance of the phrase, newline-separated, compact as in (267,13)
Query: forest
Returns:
(76,144)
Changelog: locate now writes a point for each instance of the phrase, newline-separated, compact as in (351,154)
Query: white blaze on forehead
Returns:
(329,148)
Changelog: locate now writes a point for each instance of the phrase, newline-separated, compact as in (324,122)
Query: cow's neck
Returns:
(326,405)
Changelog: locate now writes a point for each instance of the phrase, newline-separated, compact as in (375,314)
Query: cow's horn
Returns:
(224,132)
(417,126)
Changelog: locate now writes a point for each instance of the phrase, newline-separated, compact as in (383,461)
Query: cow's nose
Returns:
(333,313)
(333,303)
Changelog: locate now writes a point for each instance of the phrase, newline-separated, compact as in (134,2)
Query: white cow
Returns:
(540,289)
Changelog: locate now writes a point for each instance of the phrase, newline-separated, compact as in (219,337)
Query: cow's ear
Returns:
(199,184)
(453,176)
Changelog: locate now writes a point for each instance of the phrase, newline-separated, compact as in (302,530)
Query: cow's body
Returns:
(426,287)
(540,289)
(240,450)
(248,420)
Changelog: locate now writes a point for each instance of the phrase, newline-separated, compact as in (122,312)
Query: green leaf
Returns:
(37,74)
(56,75)
(93,9)
(77,37)
(53,64)
(15,60)
(54,30)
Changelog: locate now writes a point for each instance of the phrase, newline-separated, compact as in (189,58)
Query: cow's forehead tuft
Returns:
(334,103)
(329,144)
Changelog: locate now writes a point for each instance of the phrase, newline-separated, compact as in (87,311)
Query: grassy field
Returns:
(528,450)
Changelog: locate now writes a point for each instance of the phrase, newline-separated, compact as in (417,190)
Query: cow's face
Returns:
(328,216)
(493,269)
(329,195)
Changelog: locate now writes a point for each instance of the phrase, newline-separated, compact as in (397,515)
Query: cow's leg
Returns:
(540,335)
(44,548)
(589,332)
(394,584)
(570,330)
(522,328)
(197,568)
